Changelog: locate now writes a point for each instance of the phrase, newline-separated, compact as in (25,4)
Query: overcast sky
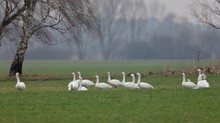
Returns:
(179,7)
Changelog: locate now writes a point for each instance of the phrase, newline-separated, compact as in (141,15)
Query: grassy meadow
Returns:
(47,100)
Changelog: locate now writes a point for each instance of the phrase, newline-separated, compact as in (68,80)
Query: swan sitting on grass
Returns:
(202,83)
(113,82)
(143,85)
(81,88)
(86,82)
(20,85)
(73,84)
(101,85)
(129,85)
(188,84)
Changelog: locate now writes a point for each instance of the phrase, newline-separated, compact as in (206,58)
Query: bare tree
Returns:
(10,10)
(29,27)
(136,19)
(83,20)
(109,12)
(207,12)
(80,44)
(59,15)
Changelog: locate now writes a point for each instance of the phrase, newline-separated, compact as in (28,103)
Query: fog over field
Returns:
(151,29)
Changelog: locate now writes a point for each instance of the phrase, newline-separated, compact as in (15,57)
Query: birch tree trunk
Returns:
(1,37)
(17,62)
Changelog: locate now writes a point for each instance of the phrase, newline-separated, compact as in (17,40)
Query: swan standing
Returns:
(188,84)
(81,88)
(143,84)
(101,85)
(86,82)
(20,85)
(73,84)
(129,85)
(113,82)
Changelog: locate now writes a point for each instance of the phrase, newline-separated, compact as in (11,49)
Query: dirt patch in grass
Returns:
(190,71)
(35,77)
(214,69)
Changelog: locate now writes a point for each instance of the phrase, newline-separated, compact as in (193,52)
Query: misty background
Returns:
(131,29)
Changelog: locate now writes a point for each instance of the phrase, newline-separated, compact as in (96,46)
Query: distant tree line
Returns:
(166,39)
(131,29)
(141,34)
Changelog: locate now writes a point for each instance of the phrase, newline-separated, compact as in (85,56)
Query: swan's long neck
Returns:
(199,75)
(200,78)
(17,77)
(200,72)
(139,78)
(133,79)
(74,77)
(109,78)
(184,79)
(123,80)
(97,80)
(79,74)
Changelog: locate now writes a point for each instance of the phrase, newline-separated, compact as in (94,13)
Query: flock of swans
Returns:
(83,84)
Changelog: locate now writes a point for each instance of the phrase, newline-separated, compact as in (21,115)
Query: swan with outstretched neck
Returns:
(113,82)
(19,85)
(188,84)
(73,84)
(129,85)
(101,85)
(86,82)
(143,85)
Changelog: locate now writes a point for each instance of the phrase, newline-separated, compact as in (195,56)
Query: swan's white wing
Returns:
(82,89)
(145,85)
(103,86)
(87,83)
(20,86)
(203,84)
(114,82)
(190,85)
(69,86)
(130,85)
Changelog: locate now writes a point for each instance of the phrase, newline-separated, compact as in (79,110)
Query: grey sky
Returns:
(179,7)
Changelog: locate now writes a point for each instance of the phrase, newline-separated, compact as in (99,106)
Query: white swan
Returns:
(101,85)
(143,84)
(81,88)
(188,84)
(86,82)
(200,72)
(20,85)
(133,79)
(129,85)
(73,84)
(202,83)
(113,82)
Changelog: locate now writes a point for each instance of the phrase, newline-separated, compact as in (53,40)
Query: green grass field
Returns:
(47,100)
